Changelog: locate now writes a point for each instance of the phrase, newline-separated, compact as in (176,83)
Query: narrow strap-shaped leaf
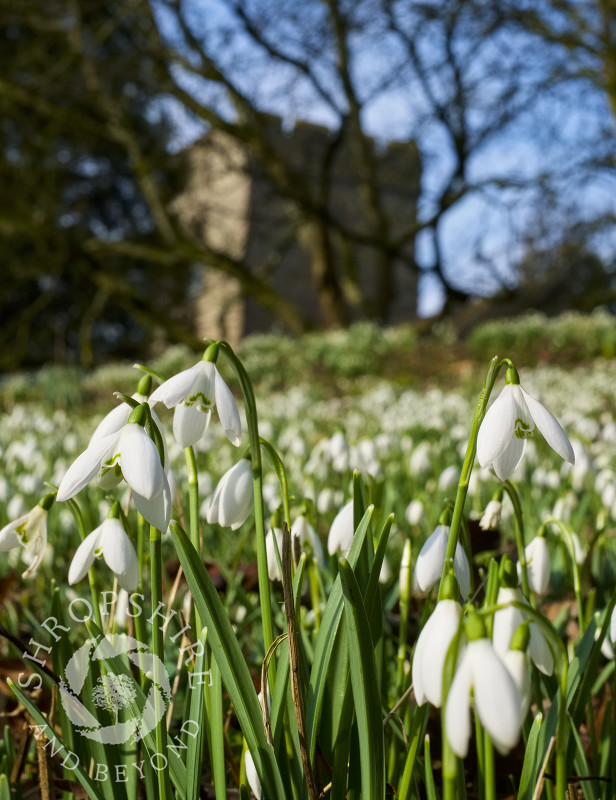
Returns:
(195,743)
(365,686)
(57,746)
(327,635)
(230,659)
(530,767)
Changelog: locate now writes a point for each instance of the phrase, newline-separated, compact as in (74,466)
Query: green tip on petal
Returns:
(47,501)
(521,637)
(139,414)
(115,512)
(451,587)
(511,375)
(211,353)
(507,573)
(474,627)
(445,518)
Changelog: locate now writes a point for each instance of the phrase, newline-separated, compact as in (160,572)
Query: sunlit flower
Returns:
(481,674)
(509,421)
(111,542)
(193,393)
(232,500)
(30,532)
(508,620)
(491,517)
(537,564)
(304,533)
(431,649)
(431,559)
(341,531)
(127,453)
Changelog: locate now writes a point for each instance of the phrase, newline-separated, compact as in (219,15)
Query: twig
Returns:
(541,777)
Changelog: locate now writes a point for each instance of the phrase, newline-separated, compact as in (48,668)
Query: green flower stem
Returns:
(257,480)
(281,474)
(565,532)
(193,511)
(467,466)
(158,648)
(519,535)
(139,619)
(481,762)
(489,774)
(78,517)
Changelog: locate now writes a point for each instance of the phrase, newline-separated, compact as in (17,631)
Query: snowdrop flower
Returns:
(303,532)
(232,500)
(430,562)
(127,453)
(414,512)
(516,662)
(341,531)
(448,478)
(480,673)
(251,775)
(30,531)
(509,421)
(193,393)
(110,541)
(537,564)
(508,620)
(491,517)
(432,646)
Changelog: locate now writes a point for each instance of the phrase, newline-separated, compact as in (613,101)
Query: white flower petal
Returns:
(272,562)
(462,570)
(539,650)
(497,699)
(189,424)
(113,422)
(119,554)
(236,500)
(496,430)
(341,532)
(508,460)
(251,775)
(36,539)
(538,564)
(507,620)
(227,411)
(155,510)
(431,650)
(457,711)
(85,466)
(517,666)
(8,536)
(84,556)
(172,391)
(140,461)
(550,428)
(430,560)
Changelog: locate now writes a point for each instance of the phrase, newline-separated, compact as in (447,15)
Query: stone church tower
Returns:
(232,206)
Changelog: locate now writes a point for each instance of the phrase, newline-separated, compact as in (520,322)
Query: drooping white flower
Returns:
(508,620)
(491,517)
(232,500)
(251,775)
(302,531)
(194,392)
(127,453)
(431,649)
(480,673)
(29,531)
(509,421)
(431,559)
(111,542)
(341,532)
(517,665)
(537,564)
(414,512)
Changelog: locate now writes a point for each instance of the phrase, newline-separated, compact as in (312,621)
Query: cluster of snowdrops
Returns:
(481,646)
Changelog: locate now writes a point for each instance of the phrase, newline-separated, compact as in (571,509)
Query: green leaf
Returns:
(57,746)
(365,686)
(231,661)
(530,767)
(195,744)
(327,636)
(5,788)
(430,787)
